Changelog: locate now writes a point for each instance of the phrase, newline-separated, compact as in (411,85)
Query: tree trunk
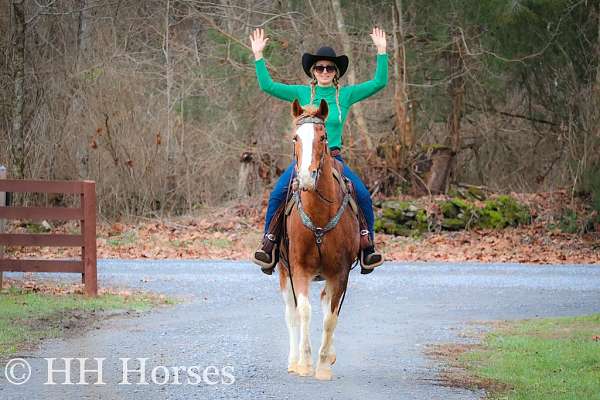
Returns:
(437,179)
(456,90)
(83,45)
(347,47)
(430,171)
(402,103)
(170,146)
(598,51)
(18,131)
(246,166)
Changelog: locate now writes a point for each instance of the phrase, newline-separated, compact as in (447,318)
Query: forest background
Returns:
(157,101)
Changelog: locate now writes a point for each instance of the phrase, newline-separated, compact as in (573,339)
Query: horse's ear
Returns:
(296,109)
(323,110)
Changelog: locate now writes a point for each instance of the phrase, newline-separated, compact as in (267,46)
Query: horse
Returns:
(322,236)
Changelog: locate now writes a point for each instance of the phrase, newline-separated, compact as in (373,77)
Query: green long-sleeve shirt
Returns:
(348,95)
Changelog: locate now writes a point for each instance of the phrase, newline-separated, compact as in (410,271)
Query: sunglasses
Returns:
(325,68)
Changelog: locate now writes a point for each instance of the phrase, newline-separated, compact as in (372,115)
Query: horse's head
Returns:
(310,142)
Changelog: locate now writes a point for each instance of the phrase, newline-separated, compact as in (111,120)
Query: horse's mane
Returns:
(310,111)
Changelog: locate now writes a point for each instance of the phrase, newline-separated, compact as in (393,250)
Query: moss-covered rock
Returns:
(491,219)
(476,193)
(399,211)
(468,193)
(459,209)
(449,209)
(453,224)
(460,203)
(422,221)
(503,211)
(410,219)
(390,227)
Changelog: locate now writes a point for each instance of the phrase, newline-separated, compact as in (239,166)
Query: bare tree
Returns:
(456,90)
(402,102)
(347,46)
(18,131)
(171,145)
(83,46)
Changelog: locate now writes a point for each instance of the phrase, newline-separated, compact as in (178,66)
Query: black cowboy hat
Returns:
(325,53)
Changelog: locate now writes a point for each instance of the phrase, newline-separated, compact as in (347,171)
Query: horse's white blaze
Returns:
(293,323)
(306,134)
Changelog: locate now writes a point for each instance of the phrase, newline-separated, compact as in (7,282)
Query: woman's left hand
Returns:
(378,37)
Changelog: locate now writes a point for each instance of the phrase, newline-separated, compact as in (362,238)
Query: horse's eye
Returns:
(323,138)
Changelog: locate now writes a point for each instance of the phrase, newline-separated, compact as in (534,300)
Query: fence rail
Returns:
(85,213)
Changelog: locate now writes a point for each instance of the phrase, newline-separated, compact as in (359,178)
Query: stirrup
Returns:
(370,262)
(266,261)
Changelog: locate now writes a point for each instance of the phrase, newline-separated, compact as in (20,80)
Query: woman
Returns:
(325,69)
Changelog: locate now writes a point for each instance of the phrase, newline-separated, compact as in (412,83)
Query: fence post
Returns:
(88,230)
(2,221)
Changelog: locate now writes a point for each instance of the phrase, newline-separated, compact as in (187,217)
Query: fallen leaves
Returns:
(234,232)
(522,245)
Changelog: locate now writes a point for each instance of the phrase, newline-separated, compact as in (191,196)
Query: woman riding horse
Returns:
(325,69)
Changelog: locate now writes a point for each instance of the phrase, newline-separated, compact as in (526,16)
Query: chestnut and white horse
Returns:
(323,235)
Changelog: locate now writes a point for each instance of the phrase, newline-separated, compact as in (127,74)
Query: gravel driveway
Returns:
(231,328)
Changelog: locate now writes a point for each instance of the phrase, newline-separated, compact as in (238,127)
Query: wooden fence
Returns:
(86,213)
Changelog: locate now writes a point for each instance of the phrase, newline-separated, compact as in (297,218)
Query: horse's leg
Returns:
(292,318)
(326,307)
(301,283)
(330,301)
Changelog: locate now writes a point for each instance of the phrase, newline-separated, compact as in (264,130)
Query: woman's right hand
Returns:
(258,42)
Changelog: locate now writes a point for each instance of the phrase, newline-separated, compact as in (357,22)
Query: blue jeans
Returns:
(362,194)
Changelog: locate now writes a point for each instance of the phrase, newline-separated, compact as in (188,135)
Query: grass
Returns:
(554,359)
(181,244)
(125,239)
(220,243)
(28,317)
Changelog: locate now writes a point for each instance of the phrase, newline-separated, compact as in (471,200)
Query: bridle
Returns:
(319,232)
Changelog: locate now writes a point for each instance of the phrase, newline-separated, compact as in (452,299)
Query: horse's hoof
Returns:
(305,370)
(293,368)
(323,374)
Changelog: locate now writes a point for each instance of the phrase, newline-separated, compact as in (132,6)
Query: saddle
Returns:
(280,230)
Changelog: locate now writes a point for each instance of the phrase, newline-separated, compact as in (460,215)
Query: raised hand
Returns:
(379,41)
(258,42)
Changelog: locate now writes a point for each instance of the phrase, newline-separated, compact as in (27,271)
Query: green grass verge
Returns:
(545,359)
(26,317)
